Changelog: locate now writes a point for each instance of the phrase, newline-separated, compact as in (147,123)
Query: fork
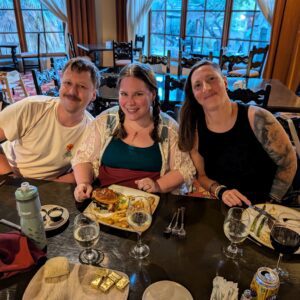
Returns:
(168,229)
(182,232)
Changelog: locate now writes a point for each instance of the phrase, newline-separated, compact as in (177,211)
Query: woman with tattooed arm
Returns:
(241,152)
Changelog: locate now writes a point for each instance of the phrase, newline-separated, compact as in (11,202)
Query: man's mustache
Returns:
(72,97)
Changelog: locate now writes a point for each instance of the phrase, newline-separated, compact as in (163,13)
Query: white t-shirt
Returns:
(37,145)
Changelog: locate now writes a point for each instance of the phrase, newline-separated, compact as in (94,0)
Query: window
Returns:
(36,18)
(237,25)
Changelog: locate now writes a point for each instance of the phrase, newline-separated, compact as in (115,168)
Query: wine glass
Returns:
(236,229)
(139,219)
(86,233)
(286,240)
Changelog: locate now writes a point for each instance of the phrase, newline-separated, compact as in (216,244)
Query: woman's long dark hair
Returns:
(146,74)
(191,110)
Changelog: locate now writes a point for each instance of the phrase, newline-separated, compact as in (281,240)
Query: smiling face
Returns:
(77,91)
(135,99)
(209,87)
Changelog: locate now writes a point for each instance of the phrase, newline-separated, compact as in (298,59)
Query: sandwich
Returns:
(105,198)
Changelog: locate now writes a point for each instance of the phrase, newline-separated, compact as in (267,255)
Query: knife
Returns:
(256,218)
(10,224)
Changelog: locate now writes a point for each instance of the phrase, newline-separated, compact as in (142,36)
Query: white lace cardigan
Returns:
(99,135)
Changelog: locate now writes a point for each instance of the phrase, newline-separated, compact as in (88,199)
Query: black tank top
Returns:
(236,158)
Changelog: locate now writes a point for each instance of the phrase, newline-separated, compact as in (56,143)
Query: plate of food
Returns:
(260,228)
(109,205)
(59,279)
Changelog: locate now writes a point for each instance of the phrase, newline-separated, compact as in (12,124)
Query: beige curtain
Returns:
(284,59)
(267,8)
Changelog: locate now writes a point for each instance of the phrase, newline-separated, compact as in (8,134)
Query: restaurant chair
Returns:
(58,63)
(186,46)
(30,56)
(230,62)
(255,64)
(122,54)
(139,43)
(258,98)
(46,82)
(160,64)
(189,62)
(71,45)
(9,81)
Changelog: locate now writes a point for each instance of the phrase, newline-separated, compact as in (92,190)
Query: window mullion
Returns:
(228,12)
(20,25)
(183,18)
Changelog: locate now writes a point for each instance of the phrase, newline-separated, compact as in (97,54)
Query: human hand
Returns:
(148,185)
(83,191)
(234,197)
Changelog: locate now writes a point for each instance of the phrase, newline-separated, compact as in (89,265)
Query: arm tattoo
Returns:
(276,143)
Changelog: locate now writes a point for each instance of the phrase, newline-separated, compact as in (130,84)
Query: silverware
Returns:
(254,241)
(10,224)
(168,229)
(2,182)
(256,218)
(290,219)
(182,233)
(175,228)
(262,211)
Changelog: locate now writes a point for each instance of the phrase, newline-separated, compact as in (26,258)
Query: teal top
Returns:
(123,156)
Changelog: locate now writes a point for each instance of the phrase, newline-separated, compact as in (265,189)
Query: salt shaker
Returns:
(28,206)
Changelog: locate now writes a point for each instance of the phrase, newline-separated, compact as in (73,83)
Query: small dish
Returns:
(55,213)
(165,290)
(50,224)
(44,214)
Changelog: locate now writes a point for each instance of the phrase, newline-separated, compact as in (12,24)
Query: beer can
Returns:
(265,283)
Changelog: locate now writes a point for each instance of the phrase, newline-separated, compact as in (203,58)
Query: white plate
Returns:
(279,212)
(105,218)
(50,225)
(166,290)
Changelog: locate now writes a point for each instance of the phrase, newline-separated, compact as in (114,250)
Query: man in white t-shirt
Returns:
(42,133)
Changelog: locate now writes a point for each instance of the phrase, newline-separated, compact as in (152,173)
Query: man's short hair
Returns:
(80,64)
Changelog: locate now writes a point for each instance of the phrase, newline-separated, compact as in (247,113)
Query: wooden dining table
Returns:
(192,262)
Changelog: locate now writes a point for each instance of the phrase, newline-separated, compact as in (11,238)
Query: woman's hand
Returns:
(148,185)
(234,197)
(83,191)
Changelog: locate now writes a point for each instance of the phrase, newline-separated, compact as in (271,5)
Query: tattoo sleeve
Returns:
(277,144)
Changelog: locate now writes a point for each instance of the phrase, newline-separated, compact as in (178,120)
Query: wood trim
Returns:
(20,25)
(226,25)
(183,19)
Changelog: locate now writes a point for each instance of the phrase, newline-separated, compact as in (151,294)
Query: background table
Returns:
(13,49)
(192,262)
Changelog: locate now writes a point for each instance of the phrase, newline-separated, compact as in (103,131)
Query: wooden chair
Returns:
(186,46)
(259,98)
(254,66)
(71,45)
(189,62)
(46,77)
(29,56)
(58,63)
(162,61)
(9,81)
(122,54)
(228,62)
(139,43)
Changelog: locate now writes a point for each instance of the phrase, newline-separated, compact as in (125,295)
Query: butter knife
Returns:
(256,218)
(10,224)
(262,212)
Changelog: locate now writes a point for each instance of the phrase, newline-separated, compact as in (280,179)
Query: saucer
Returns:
(50,225)
(165,290)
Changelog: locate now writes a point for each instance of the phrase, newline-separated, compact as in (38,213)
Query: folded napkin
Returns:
(17,254)
(224,290)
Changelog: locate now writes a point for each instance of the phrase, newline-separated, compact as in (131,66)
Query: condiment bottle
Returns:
(247,295)
(28,206)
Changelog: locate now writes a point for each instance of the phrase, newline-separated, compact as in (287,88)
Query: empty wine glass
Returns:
(139,218)
(285,239)
(86,233)
(236,229)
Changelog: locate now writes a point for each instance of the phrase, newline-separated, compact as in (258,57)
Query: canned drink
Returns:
(265,284)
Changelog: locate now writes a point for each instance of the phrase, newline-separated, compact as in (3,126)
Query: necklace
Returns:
(137,132)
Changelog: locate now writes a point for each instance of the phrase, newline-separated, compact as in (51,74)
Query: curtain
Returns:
(121,20)
(82,22)
(267,8)
(284,58)
(137,11)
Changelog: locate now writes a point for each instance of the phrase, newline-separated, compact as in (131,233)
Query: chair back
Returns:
(257,59)
(259,98)
(58,63)
(46,77)
(122,53)
(229,61)
(186,45)
(157,60)
(71,45)
(139,42)
(189,62)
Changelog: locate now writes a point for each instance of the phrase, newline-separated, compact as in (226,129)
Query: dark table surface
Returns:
(192,262)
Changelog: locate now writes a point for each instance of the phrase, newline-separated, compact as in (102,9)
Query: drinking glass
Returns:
(86,233)
(139,219)
(236,229)
(286,240)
